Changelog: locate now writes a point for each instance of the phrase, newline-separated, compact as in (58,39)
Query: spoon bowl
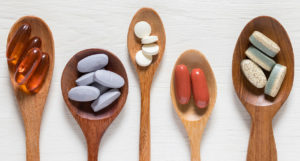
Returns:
(93,124)
(32,105)
(261,107)
(146,73)
(193,118)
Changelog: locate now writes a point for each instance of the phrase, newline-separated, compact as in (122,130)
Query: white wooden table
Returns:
(211,26)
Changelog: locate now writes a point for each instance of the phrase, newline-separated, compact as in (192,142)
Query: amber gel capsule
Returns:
(37,78)
(34,42)
(182,84)
(28,65)
(18,43)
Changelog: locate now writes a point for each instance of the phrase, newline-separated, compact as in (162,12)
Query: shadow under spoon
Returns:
(261,107)
(193,118)
(93,125)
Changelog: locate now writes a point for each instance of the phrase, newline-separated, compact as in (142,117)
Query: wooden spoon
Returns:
(93,125)
(193,118)
(32,105)
(262,108)
(146,73)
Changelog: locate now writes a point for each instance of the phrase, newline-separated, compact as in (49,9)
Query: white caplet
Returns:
(149,39)
(142,59)
(150,49)
(142,29)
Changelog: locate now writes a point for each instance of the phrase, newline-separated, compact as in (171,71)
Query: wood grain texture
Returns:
(93,124)
(32,105)
(193,118)
(262,108)
(146,73)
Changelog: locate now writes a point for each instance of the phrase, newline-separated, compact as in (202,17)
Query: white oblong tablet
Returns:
(150,49)
(142,29)
(105,100)
(142,59)
(85,79)
(253,73)
(149,39)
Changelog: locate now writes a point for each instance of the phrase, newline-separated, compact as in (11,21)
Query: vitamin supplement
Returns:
(102,88)
(275,80)
(142,29)
(200,89)
(143,59)
(34,42)
(182,84)
(149,39)
(92,63)
(84,93)
(108,79)
(17,45)
(36,80)
(259,58)
(150,49)
(105,100)
(253,73)
(85,79)
(264,44)
(28,65)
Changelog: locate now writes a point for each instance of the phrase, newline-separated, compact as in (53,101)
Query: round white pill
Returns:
(149,39)
(142,59)
(142,29)
(150,49)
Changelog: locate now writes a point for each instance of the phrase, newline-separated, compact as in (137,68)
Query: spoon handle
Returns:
(195,131)
(144,152)
(262,145)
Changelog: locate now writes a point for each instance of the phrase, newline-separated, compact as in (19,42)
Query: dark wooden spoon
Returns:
(32,105)
(261,107)
(93,125)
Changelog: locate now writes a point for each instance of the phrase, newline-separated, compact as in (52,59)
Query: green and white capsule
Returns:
(263,43)
(275,80)
(259,58)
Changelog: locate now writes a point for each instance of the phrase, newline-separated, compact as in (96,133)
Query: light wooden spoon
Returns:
(93,125)
(32,105)
(193,118)
(261,107)
(146,73)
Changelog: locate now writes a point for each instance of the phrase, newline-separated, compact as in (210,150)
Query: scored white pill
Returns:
(109,79)
(142,29)
(149,39)
(150,49)
(85,79)
(105,100)
(84,93)
(142,59)
(253,73)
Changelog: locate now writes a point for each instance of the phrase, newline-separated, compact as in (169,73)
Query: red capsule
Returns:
(182,84)
(28,65)
(36,80)
(200,89)
(34,42)
(18,43)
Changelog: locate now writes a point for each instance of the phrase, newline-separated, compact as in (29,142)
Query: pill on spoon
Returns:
(253,73)
(83,93)
(142,29)
(263,43)
(150,49)
(105,100)
(259,58)
(149,39)
(200,89)
(182,84)
(275,80)
(92,63)
(108,78)
(142,59)
(85,79)
(102,88)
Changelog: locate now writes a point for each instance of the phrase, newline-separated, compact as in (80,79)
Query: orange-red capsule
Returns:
(200,89)
(18,43)
(34,42)
(36,80)
(182,84)
(28,65)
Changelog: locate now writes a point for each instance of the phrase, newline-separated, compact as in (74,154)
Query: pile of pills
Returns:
(143,57)
(96,84)
(260,58)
